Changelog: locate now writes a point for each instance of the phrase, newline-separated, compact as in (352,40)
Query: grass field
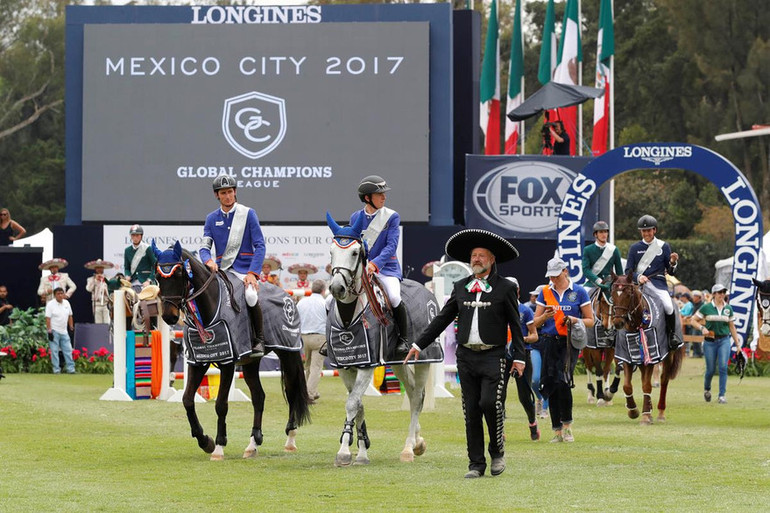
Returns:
(61,449)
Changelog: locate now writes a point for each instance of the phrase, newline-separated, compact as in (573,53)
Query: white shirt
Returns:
(59,313)
(312,314)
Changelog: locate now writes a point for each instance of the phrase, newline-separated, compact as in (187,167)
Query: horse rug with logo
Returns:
(361,343)
(231,331)
(598,337)
(652,346)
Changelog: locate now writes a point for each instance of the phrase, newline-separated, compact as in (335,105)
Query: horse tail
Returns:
(674,363)
(294,385)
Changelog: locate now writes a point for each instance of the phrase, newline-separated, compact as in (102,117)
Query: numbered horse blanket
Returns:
(365,343)
(631,347)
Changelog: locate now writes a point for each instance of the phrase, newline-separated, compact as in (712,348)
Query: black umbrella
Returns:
(552,96)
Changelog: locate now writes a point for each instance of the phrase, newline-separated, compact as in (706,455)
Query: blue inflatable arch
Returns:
(721,172)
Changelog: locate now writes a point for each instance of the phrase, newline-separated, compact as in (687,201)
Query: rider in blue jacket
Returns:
(240,247)
(650,259)
(381,234)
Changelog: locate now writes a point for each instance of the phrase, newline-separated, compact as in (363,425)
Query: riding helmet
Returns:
(601,226)
(370,185)
(224,182)
(646,221)
(135,228)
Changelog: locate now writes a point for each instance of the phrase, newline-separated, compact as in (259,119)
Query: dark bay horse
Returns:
(599,353)
(358,340)
(642,342)
(182,278)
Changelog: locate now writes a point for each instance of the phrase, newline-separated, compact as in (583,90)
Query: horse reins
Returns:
(366,285)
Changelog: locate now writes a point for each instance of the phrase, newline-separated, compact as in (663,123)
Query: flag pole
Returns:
(612,129)
(580,81)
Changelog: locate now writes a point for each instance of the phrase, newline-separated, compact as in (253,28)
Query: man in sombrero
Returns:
(55,280)
(99,289)
(485,306)
(302,271)
(270,264)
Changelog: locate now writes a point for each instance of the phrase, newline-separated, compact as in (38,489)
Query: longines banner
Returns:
(520,196)
(297,113)
(291,244)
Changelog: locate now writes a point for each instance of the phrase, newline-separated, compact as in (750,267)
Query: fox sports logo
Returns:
(523,197)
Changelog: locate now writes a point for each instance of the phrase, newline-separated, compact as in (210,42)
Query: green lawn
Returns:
(61,449)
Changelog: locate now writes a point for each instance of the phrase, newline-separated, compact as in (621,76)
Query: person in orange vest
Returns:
(560,303)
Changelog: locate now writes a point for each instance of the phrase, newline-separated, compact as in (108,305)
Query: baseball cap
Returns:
(717,287)
(555,266)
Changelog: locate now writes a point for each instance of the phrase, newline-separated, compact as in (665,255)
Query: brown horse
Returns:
(641,324)
(599,353)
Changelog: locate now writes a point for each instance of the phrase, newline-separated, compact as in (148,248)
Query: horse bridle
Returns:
(181,302)
(630,310)
(349,276)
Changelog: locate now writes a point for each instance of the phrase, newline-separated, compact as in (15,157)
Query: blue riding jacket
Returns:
(657,269)
(383,251)
(252,250)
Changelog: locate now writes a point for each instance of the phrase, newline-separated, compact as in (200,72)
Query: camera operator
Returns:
(559,137)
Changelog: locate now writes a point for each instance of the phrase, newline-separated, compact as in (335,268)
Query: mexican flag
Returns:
(513,129)
(490,87)
(567,70)
(604,52)
(548,48)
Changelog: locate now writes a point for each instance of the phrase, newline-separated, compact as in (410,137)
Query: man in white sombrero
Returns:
(55,280)
(302,271)
(270,265)
(97,286)
(485,306)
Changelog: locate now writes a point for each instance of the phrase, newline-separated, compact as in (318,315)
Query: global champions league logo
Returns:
(254,123)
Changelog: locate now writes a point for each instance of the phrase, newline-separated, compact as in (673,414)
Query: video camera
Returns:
(546,134)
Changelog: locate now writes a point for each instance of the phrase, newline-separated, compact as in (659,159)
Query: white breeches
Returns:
(665,298)
(392,288)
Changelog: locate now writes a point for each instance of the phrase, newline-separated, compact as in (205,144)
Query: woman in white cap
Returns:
(719,328)
(559,302)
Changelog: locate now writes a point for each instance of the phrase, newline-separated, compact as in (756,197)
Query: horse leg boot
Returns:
(255,316)
(402,346)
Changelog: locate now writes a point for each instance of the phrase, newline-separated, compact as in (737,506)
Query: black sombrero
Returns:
(461,244)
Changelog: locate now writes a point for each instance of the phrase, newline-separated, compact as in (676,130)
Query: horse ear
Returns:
(155,249)
(756,282)
(630,275)
(333,226)
(178,250)
(358,226)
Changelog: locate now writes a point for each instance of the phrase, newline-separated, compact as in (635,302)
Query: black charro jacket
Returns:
(493,320)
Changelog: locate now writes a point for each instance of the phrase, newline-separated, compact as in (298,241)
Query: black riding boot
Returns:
(258,347)
(673,340)
(399,315)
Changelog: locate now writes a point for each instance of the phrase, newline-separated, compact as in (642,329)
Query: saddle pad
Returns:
(280,318)
(421,308)
(599,338)
(629,349)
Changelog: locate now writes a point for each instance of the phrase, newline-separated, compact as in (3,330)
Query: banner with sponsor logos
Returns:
(291,244)
(737,191)
(520,196)
(297,113)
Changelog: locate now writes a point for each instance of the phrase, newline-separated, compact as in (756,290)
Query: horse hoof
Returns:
(601,402)
(361,461)
(646,420)
(217,457)
(661,418)
(343,460)
(249,454)
(591,399)
(633,414)
(289,448)
(420,447)
(207,445)
(406,456)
